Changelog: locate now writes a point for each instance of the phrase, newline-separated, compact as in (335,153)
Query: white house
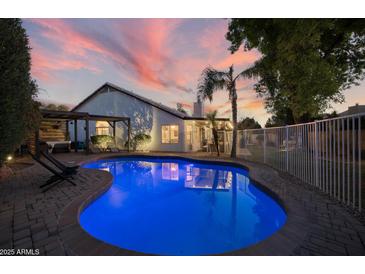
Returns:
(170,129)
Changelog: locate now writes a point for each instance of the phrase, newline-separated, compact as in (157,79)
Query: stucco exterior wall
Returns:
(145,118)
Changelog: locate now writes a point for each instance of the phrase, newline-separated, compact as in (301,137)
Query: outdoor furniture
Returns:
(57,177)
(66,169)
(59,146)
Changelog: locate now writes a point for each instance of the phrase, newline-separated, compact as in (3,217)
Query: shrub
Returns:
(19,111)
(140,141)
(101,141)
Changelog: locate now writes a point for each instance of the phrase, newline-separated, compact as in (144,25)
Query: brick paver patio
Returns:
(316,225)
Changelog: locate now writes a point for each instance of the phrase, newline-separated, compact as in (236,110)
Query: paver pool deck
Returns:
(29,219)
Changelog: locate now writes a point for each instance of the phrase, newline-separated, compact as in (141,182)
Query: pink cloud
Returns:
(149,53)
(152,53)
(239,58)
(70,55)
(70,41)
(144,49)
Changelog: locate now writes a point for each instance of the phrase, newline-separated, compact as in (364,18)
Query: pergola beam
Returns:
(70,115)
(77,116)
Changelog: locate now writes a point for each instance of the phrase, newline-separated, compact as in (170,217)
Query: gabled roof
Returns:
(160,106)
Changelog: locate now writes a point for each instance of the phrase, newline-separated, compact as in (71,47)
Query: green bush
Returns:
(19,111)
(101,141)
(140,141)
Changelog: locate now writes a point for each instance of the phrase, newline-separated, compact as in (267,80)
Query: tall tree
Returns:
(18,110)
(305,65)
(212,117)
(51,106)
(180,108)
(248,123)
(213,80)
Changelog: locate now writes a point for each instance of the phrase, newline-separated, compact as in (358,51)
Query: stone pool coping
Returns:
(283,242)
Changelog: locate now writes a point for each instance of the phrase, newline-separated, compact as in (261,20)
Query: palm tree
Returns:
(211,116)
(213,80)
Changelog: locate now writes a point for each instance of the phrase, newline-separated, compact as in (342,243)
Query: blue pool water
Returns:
(178,207)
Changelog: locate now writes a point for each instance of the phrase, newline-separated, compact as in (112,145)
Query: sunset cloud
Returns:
(144,49)
(159,58)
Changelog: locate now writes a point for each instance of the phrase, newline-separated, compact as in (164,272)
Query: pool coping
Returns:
(282,242)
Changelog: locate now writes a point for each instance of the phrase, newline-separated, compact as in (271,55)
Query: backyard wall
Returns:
(51,130)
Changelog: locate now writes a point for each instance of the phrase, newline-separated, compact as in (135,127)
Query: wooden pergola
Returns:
(82,116)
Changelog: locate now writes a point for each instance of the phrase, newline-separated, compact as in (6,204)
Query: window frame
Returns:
(169,140)
(189,141)
(102,128)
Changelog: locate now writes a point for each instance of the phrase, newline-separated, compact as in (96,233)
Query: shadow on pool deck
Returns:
(48,221)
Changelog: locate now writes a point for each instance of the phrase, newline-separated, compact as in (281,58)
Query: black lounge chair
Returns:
(66,169)
(56,178)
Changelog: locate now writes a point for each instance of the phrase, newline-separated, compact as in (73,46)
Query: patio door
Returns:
(228,143)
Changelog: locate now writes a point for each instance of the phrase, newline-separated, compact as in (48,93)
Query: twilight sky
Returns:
(160,59)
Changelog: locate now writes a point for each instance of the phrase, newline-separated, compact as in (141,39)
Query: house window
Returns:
(101,128)
(189,134)
(170,134)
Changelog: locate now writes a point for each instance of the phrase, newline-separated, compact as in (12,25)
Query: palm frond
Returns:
(212,116)
(253,71)
(210,81)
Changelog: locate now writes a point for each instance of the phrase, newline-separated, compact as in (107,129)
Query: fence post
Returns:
(316,151)
(359,141)
(287,148)
(264,145)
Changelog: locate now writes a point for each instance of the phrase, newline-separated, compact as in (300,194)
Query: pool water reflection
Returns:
(177,207)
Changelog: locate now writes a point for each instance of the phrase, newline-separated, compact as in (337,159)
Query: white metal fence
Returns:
(326,154)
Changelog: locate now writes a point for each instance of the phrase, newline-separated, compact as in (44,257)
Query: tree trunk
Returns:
(216,140)
(234,120)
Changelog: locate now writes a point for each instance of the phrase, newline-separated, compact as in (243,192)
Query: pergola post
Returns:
(36,144)
(114,131)
(87,134)
(75,135)
(129,135)
(67,130)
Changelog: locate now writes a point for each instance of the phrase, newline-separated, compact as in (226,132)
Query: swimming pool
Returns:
(170,206)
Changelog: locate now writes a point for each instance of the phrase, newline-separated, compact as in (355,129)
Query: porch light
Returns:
(9,158)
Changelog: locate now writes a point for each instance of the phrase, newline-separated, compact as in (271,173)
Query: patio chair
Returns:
(60,165)
(57,177)
(44,150)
